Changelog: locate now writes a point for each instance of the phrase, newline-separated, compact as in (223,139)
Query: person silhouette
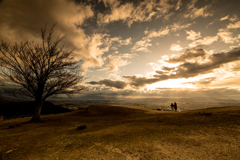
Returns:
(175,106)
(171,106)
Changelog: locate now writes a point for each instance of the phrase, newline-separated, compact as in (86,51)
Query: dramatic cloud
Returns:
(110,83)
(119,12)
(160,33)
(16,27)
(179,3)
(194,12)
(119,60)
(191,4)
(224,18)
(226,36)
(68,15)
(98,45)
(193,35)
(176,26)
(234,25)
(205,81)
(188,69)
(110,3)
(142,45)
(176,47)
(205,41)
(187,55)
(234,18)
(140,81)
(117,42)
(94,58)
(231,82)
(142,12)
(214,61)
(204,95)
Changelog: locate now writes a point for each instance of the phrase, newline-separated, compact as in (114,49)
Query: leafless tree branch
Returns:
(40,71)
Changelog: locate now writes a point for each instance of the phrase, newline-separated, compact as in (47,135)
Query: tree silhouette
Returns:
(40,71)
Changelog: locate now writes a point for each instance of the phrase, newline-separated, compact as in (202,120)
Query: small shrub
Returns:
(81,127)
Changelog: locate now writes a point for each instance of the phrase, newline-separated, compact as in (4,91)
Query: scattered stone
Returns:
(205,114)
(208,114)
(9,151)
(11,126)
(81,127)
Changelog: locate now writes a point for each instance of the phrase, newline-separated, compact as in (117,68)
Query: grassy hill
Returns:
(124,132)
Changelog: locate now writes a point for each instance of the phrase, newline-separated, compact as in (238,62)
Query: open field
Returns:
(124,132)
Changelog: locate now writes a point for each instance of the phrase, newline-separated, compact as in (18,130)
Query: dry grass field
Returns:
(124,132)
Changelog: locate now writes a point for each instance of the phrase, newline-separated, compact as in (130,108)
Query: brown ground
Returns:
(125,132)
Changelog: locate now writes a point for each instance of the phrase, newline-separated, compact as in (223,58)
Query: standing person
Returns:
(171,106)
(175,106)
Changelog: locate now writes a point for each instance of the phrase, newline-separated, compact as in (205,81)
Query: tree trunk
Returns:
(1,118)
(37,112)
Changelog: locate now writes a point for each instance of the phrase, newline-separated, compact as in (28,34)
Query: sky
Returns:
(139,48)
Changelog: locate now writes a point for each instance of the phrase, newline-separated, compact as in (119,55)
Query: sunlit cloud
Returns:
(205,41)
(202,82)
(189,54)
(179,3)
(141,81)
(154,66)
(208,93)
(15,27)
(224,18)
(194,12)
(110,83)
(188,69)
(234,18)
(117,42)
(145,11)
(98,46)
(232,47)
(159,33)
(234,25)
(94,58)
(119,12)
(176,26)
(119,60)
(142,45)
(176,47)
(226,36)
(193,35)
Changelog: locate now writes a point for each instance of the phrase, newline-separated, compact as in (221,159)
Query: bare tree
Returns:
(40,71)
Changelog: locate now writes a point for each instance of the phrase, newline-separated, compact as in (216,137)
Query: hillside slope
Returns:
(124,132)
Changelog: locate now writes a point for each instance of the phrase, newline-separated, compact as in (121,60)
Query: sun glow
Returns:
(172,83)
